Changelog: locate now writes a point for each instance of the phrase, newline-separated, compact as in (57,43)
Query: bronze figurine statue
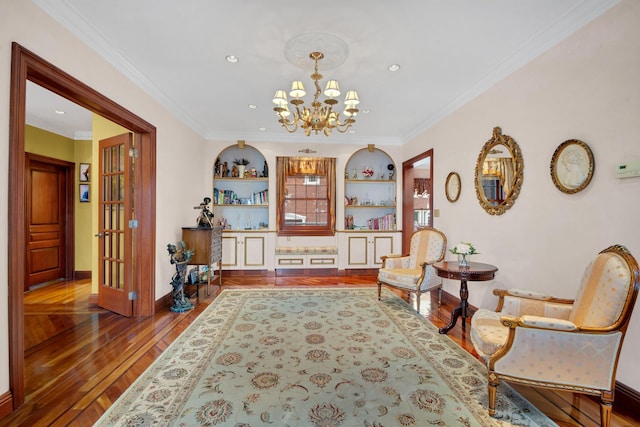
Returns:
(180,256)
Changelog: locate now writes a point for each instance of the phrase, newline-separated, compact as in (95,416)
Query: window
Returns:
(306,196)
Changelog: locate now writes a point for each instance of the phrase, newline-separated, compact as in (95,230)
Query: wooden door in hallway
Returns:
(115,212)
(49,216)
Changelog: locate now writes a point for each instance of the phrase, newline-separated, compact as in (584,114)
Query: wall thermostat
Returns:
(628,170)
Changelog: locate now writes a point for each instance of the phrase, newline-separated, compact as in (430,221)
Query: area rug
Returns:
(315,357)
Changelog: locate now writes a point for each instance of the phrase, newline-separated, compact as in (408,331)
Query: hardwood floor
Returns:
(79,359)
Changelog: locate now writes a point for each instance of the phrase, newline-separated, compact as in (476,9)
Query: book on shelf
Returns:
(387,222)
(230,197)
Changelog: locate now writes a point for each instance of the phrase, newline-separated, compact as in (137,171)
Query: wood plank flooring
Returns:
(79,359)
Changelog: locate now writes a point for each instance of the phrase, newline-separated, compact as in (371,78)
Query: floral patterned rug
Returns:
(315,357)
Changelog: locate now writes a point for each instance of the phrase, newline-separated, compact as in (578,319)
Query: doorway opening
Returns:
(26,66)
(417,200)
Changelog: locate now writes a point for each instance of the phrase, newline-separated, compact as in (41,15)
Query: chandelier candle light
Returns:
(318,118)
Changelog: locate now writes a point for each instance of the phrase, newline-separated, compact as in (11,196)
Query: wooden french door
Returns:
(115,213)
(48,212)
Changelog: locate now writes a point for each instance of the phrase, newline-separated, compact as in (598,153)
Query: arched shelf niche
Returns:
(241,194)
(370,191)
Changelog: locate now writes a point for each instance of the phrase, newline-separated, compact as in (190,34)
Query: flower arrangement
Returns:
(463,248)
(242,161)
(367,172)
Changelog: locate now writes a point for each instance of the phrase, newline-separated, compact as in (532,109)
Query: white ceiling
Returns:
(449,52)
(46,110)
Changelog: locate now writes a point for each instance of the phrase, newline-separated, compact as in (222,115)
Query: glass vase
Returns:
(464,260)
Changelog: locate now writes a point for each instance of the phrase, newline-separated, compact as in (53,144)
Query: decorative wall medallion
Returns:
(452,187)
(572,166)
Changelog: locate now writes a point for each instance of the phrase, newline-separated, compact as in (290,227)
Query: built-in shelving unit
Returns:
(241,200)
(370,191)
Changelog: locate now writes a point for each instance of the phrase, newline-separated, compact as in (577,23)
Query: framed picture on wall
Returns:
(85,175)
(572,166)
(84,193)
(452,187)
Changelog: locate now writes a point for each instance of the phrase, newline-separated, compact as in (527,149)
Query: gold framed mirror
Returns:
(499,173)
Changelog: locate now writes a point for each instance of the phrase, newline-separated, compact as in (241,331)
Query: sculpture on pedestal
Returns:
(180,256)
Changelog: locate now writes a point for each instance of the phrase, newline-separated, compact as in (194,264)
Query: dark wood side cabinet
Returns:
(206,244)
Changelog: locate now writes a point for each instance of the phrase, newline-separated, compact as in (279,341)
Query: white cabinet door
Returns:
(244,251)
(229,251)
(363,250)
(254,250)
(381,244)
(357,251)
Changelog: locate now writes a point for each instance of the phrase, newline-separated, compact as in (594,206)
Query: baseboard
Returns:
(626,399)
(283,272)
(81,275)
(93,300)
(164,302)
(262,273)
(6,404)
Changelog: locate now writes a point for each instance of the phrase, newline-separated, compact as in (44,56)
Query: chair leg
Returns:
(379,291)
(492,389)
(606,404)
(418,301)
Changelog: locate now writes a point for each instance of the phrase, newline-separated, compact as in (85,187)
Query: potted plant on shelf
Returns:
(241,164)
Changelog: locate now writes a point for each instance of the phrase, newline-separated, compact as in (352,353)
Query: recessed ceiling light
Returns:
(263,129)
(232,59)
(352,131)
(252,106)
(59,111)
(365,111)
(394,67)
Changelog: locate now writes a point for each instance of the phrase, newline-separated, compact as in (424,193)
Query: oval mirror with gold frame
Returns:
(572,166)
(499,173)
(452,187)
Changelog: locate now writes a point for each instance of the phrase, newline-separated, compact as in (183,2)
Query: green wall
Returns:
(45,143)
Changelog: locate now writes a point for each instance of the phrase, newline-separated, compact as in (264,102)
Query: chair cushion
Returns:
(406,278)
(488,335)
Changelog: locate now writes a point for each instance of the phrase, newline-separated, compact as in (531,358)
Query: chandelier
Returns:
(320,117)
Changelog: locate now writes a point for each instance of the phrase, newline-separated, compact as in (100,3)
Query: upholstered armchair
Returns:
(414,272)
(570,345)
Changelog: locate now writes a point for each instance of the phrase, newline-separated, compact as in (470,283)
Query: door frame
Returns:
(69,218)
(407,197)
(25,65)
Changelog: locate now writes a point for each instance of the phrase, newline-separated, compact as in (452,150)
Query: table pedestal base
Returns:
(460,310)
(474,271)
